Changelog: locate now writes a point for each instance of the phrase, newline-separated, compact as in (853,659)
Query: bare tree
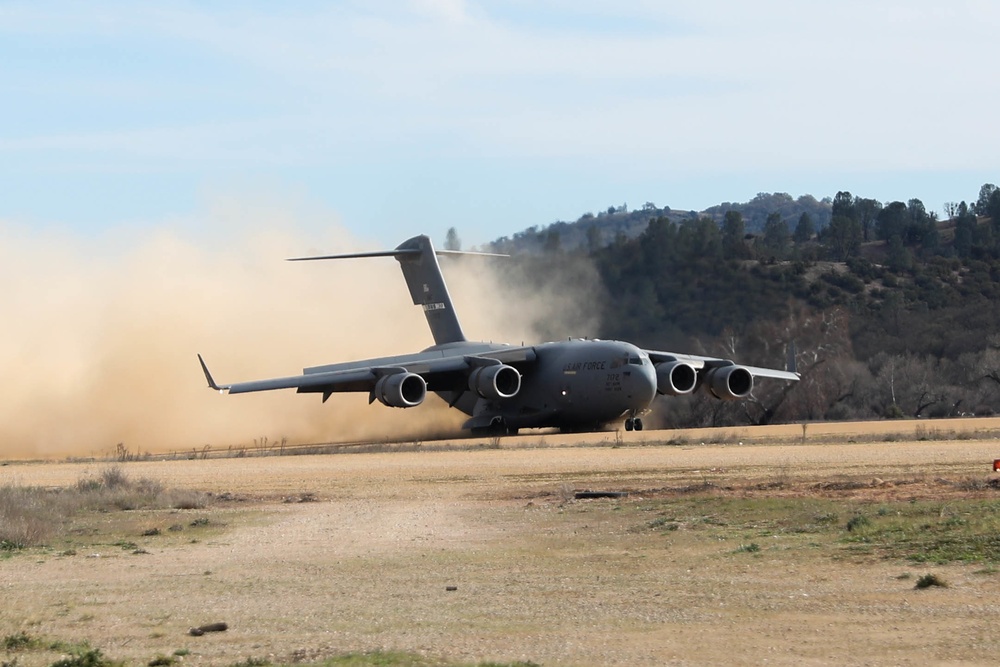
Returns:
(452,242)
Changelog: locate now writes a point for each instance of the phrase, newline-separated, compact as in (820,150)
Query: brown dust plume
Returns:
(100,338)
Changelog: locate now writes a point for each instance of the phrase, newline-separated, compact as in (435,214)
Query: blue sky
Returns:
(396,118)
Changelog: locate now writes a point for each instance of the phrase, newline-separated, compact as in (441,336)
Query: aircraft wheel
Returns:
(638,424)
(629,424)
(498,426)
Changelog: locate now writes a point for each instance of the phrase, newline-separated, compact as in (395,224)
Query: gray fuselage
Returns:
(573,385)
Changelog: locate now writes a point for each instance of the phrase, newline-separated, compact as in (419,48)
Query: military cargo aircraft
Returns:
(572,385)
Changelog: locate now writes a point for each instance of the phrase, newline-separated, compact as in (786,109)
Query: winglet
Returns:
(208,376)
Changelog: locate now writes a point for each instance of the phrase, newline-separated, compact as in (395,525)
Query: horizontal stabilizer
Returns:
(417,258)
(399,252)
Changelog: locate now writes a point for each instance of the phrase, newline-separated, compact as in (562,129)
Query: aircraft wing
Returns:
(708,363)
(441,369)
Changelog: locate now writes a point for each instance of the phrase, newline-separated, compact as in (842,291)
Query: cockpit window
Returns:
(635,361)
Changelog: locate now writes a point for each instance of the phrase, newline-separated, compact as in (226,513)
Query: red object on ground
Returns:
(996,465)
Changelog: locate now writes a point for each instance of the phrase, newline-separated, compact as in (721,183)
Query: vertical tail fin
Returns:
(422,272)
(428,290)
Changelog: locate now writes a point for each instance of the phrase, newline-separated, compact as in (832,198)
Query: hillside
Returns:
(591,231)
(885,310)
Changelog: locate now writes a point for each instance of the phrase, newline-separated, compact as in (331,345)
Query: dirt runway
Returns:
(481,553)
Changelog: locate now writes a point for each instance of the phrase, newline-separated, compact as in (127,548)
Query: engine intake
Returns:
(495,382)
(730,383)
(675,378)
(401,390)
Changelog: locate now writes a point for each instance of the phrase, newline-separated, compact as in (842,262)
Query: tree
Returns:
(892,221)
(899,257)
(906,385)
(843,205)
(804,229)
(843,237)
(593,239)
(553,242)
(917,211)
(867,211)
(965,231)
(981,207)
(452,242)
(993,207)
(733,231)
(776,236)
(700,237)
(927,235)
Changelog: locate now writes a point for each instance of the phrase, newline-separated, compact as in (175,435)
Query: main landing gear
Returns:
(498,427)
(633,424)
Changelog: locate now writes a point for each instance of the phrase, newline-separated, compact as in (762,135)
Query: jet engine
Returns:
(401,390)
(495,382)
(729,382)
(675,378)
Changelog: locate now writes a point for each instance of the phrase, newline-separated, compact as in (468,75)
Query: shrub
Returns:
(149,487)
(115,478)
(20,642)
(929,580)
(183,499)
(857,522)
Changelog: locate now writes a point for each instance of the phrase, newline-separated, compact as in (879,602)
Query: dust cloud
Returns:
(100,335)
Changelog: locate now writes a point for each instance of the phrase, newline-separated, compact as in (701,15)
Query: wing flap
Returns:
(362,377)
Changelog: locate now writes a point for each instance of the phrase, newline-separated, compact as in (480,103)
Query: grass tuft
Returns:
(86,657)
(252,662)
(406,659)
(21,642)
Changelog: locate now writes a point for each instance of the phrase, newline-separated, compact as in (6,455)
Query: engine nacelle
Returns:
(495,382)
(675,378)
(401,390)
(729,383)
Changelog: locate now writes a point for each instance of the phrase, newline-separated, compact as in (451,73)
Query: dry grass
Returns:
(28,516)
(34,516)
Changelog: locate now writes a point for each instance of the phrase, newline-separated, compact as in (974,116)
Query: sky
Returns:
(389,119)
